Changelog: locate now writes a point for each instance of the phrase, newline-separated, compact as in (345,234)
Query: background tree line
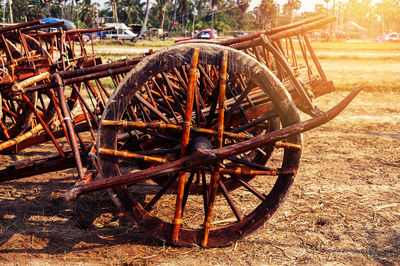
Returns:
(223,15)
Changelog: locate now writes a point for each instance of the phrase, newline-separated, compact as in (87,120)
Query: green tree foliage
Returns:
(134,11)
(86,14)
(226,14)
(35,10)
(230,15)
(223,15)
(267,13)
(289,7)
(158,13)
(243,5)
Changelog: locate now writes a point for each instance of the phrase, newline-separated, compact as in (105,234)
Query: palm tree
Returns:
(146,18)
(184,6)
(115,10)
(290,6)
(213,3)
(114,6)
(134,10)
(268,12)
(62,5)
(11,11)
(174,17)
(243,5)
(86,12)
(73,9)
(160,9)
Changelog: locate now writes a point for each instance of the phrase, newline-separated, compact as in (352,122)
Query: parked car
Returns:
(202,35)
(85,37)
(120,32)
(390,37)
(242,34)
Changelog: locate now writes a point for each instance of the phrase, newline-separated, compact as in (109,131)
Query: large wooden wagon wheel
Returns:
(192,98)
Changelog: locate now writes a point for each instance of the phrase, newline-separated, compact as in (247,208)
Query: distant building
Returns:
(353,30)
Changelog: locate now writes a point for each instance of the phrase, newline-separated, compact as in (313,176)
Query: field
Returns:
(343,208)
(348,64)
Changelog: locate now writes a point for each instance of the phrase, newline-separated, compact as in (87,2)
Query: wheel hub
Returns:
(198,143)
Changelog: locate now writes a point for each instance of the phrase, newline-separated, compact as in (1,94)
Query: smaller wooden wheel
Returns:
(23,57)
(195,99)
(17,115)
(28,60)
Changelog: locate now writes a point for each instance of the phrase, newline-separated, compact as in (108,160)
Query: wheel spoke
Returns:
(178,75)
(242,85)
(160,193)
(82,99)
(185,141)
(87,119)
(150,95)
(4,129)
(213,107)
(230,201)
(127,154)
(199,113)
(287,145)
(208,79)
(250,188)
(187,189)
(8,111)
(151,108)
(39,117)
(165,98)
(237,104)
(172,92)
(251,164)
(143,111)
(255,122)
(205,191)
(244,171)
(163,126)
(183,68)
(215,175)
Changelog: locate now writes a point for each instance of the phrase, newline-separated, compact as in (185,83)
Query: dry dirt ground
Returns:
(344,207)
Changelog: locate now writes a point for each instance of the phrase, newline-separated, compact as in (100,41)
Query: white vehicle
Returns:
(121,32)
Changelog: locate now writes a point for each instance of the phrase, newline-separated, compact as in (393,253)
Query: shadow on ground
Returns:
(36,214)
